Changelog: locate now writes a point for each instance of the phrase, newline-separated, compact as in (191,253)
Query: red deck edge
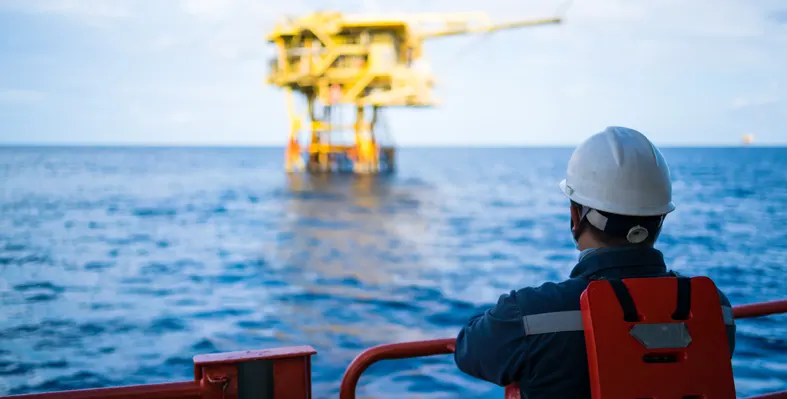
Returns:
(775,395)
(173,390)
(213,359)
(245,356)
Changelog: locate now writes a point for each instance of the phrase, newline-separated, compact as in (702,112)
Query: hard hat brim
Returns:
(598,205)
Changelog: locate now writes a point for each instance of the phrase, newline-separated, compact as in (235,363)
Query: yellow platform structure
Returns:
(364,63)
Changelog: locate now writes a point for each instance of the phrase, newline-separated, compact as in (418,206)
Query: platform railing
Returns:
(285,373)
(406,350)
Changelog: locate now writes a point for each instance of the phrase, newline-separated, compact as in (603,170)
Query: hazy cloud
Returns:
(757,101)
(17,96)
(780,16)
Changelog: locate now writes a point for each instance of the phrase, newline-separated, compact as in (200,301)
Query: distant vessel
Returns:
(747,139)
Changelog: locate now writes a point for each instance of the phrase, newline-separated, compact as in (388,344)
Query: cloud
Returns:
(163,43)
(766,96)
(179,118)
(199,64)
(752,102)
(88,10)
(17,96)
(779,16)
(229,28)
(163,117)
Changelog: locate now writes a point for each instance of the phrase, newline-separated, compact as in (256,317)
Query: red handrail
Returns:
(403,350)
(759,309)
(407,350)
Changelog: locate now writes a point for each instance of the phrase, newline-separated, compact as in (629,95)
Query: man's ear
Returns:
(574,218)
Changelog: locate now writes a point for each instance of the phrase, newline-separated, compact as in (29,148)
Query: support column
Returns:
(364,142)
(293,159)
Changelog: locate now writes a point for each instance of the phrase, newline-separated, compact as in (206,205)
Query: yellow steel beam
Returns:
(489,28)
(352,93)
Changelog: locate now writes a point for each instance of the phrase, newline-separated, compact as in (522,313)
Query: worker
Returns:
(619,188)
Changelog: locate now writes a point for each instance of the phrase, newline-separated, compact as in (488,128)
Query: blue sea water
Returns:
(120,264)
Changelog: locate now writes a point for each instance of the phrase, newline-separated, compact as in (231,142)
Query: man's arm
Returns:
(492,345)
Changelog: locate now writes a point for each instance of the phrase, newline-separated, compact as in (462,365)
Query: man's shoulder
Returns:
(722,297)
(551,296)
(561,296)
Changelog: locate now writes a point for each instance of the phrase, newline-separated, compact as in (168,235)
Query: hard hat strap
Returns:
(635,235)
(633,232)
(596,219)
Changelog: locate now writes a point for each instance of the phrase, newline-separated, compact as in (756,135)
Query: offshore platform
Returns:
(360,63)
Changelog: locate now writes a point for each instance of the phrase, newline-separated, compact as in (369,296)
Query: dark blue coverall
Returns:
(532,337)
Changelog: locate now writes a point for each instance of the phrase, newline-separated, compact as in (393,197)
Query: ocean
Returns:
(120,264)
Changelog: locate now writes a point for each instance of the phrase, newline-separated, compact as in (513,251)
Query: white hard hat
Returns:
(621,172)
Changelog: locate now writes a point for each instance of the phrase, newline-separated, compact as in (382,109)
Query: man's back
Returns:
(534,336)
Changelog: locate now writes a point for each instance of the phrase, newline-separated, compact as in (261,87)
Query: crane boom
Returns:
(489,28)
(448,24)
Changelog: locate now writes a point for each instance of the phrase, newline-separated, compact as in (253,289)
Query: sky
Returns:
(192,72)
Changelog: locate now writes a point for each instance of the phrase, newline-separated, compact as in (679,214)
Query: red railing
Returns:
(759,309)
(403,350)
(407,350)
(285,373)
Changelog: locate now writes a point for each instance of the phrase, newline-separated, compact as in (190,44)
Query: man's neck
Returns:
(585,252)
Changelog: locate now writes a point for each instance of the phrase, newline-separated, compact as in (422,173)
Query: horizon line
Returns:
(414,146)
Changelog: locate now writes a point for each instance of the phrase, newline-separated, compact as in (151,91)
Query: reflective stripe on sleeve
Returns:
(571,320)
